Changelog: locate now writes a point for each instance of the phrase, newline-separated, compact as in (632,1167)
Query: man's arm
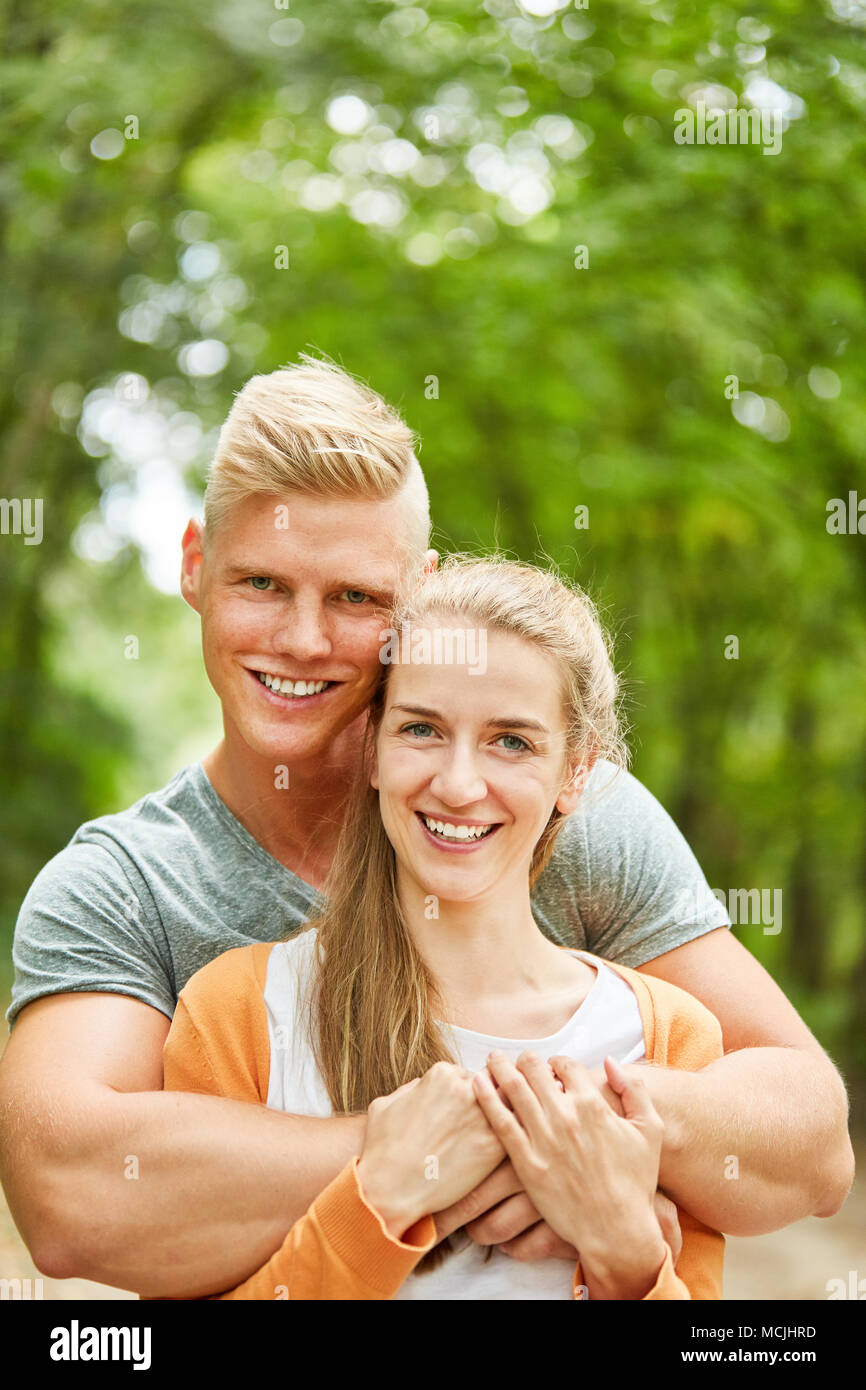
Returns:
(773,1110)
(109,1178)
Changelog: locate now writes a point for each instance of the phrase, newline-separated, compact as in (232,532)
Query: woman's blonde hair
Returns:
(313,428)
(373,1002)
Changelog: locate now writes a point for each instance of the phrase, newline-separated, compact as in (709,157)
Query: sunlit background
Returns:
(482,210)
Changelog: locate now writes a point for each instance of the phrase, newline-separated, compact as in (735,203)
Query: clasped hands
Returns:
(542,1159)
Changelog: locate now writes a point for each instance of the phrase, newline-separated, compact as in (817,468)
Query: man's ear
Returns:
(572,789)
(190,569)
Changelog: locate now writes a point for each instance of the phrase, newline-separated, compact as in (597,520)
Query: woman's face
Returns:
(470,764)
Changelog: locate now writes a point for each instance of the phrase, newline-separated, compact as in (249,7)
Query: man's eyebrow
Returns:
(518,722)
(375,587)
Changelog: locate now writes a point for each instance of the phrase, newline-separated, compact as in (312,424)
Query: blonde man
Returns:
(315,511)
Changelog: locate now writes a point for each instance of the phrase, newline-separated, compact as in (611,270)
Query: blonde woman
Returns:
(425,993)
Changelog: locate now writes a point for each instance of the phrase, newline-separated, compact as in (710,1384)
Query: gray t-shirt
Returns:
(139,901)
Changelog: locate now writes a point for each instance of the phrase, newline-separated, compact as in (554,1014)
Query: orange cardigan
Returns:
(218,1044)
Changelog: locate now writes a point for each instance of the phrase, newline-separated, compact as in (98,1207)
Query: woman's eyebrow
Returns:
(418,709)
(518,722)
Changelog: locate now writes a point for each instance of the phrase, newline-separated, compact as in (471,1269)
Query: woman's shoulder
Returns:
(679,1030)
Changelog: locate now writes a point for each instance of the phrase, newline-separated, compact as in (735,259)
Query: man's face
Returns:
(292,614)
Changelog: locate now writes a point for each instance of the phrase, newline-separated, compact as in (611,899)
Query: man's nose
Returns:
(303,634)
(458,780)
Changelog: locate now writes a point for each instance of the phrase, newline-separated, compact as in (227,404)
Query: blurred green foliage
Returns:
(428,173)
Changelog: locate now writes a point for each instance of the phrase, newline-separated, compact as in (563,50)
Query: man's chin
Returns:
(292,742)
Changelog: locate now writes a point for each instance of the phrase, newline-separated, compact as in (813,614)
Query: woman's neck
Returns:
(492,966)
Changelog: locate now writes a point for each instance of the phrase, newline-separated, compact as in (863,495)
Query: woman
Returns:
(426,994)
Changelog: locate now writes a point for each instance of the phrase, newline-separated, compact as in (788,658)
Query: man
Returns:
(316,510)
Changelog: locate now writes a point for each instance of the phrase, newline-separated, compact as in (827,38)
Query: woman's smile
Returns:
(456,836)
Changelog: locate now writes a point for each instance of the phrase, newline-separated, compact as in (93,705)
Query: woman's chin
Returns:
(447,889)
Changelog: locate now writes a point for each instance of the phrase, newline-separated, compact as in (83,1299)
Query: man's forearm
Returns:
(756,1140)
(169,1194)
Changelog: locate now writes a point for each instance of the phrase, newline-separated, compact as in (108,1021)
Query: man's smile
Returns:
(286,689)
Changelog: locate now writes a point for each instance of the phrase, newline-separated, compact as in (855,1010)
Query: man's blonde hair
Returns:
(313,428)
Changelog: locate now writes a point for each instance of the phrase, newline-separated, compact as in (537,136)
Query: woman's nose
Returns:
(458,781)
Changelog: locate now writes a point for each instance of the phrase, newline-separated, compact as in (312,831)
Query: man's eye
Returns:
(513,743)
(355,596)
(260,582)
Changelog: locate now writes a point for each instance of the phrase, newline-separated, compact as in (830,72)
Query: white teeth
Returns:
(291,688)
(447,831)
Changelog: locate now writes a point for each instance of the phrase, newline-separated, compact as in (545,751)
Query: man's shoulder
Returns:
(615,797)
(622,880)
(162,813)
(616,814)
(114,849)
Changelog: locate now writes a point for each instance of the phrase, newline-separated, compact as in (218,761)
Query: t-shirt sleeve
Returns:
(89,923)
(622,877)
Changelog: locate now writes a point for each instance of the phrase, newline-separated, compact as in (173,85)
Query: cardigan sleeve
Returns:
(668,1285)
(341,1248)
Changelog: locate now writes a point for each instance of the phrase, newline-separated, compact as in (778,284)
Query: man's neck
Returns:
(295,814)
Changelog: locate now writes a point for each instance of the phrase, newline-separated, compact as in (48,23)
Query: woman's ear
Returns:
(572,788)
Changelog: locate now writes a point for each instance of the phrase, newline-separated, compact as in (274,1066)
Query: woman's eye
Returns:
(426,730)
(355,596)
(513,743)
(260,582)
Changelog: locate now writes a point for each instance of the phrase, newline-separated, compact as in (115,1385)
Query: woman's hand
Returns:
(426,1146)
(591,1174)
